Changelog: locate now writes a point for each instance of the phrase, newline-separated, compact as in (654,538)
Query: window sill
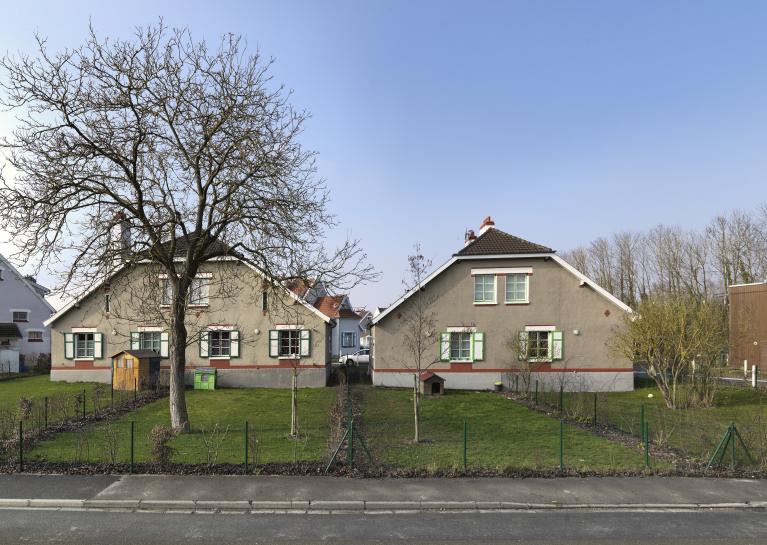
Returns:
(460,361)
(294,357)
(34,340)
(219,357)
(21,321)
(540,360)
(485,303)
(517,302)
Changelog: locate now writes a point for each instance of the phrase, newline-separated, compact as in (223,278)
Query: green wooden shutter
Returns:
(135,340)
(478,342)
(274,343)
(234,344)
(444,346)
(522,354)
(69,346)
(306,343)
(164,344)
(204,344)
(98,346)
(557,345)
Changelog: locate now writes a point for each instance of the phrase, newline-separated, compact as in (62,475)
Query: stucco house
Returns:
(506,308)
(347,334)
(23,309)
(253,331)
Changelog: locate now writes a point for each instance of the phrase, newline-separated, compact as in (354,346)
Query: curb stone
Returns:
(354,506)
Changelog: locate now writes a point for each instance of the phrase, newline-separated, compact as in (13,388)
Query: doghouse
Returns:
(432,384)
(132,369)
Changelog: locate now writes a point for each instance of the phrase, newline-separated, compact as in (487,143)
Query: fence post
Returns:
(350,451)
(135,390)
(595,408)
(641,421)
(83,403)
(753,376)
(647,445)
(246,447)
(536,391)
(111,393)
(561,445)
(132,425)
(21,446)
(465,430)
(561,400)
(46,412)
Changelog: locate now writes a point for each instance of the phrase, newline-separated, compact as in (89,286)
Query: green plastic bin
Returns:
(205,378)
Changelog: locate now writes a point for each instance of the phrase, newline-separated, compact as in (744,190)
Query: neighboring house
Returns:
(748,324)
(252,335)
(346,335)
(23,309)
(366,318)
(508,309)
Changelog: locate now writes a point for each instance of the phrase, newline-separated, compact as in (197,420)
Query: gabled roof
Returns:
(496,242)
(32,286)
(139,353)
(9,329)
(333,306)
(85,294)
(505,246)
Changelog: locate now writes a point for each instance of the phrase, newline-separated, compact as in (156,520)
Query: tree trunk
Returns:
(416,415)
(294,405)
(179,418)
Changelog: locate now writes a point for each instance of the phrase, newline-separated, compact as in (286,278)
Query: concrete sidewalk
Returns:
(333,494)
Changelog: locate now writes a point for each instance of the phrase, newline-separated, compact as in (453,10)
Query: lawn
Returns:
(36,387)
(500,434)
(694,432)
(218,436)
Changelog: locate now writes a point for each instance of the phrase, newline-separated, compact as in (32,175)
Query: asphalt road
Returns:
(110,528)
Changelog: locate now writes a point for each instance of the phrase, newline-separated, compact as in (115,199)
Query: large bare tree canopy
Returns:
(190,147)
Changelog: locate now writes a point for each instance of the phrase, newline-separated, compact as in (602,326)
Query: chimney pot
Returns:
(487,223)
(469,237)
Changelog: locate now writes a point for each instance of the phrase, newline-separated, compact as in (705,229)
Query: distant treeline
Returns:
(732,249)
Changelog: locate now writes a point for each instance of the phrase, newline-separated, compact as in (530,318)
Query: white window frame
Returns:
(494,292)
(219,332)
(526,298)
(460,348)
(290,355)
(353,341)
(24,310)
(92,356)
(40,331)
(166,290)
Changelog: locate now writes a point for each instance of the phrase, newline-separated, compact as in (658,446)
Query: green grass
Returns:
(695,432)
(266,410)
(500,434)
(36,387)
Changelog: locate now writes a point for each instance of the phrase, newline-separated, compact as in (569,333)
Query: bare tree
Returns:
(419,325)
(187,147)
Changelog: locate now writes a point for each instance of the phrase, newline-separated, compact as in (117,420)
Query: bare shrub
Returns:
(111,443)
(82,446)
(159,437)
(213,439)
(25,406)
(97,395)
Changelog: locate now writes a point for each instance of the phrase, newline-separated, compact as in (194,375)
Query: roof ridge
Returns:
(492,242)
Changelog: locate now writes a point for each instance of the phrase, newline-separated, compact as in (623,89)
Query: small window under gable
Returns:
(517,288)
(20,315)
(484,288)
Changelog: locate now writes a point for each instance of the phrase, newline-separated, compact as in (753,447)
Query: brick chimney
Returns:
(469,237)
(487,223)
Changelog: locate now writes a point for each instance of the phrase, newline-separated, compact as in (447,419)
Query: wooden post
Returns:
(46,412)
(753,376)
(132,425)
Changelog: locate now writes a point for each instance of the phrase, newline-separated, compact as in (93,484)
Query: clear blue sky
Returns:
(563,120)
